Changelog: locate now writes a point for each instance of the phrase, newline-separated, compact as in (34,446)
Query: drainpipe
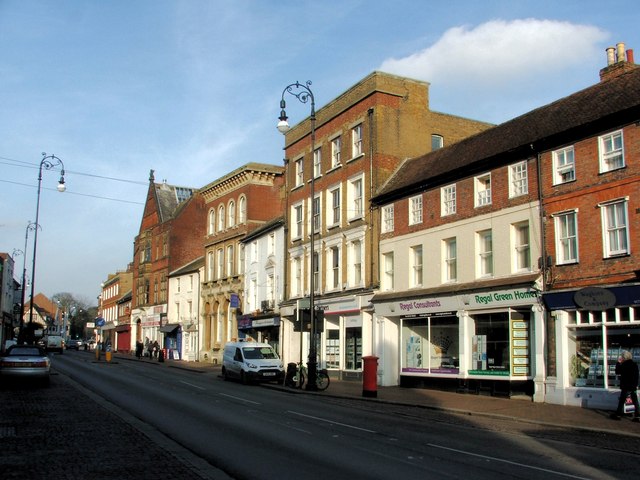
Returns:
(371,184)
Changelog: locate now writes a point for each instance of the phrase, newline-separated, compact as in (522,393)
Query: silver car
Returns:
(24,362)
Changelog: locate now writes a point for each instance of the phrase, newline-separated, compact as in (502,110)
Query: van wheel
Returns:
(243,378)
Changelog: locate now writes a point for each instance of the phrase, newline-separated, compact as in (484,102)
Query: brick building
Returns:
(153,253)
(491,287)
(236,204)
(117,329)
(360,139)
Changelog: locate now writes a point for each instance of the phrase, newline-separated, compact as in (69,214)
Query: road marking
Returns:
(331,421)
(506,461)
(192,385)
(239,398)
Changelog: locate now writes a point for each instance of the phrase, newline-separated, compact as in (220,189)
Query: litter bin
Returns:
(370,377)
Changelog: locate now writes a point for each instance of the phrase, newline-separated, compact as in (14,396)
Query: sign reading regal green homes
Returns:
(445,303)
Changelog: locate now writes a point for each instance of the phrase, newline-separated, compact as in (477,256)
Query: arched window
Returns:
(221,218)
(242,209)
(211,227)
(231,213)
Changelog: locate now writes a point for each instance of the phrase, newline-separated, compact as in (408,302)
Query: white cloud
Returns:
(499,52)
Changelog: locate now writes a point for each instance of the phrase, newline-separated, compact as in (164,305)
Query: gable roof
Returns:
(169,197)
(612,102)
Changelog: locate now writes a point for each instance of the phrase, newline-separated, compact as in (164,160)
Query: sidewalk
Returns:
(521,409)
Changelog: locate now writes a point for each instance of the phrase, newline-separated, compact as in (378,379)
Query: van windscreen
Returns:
(257,353)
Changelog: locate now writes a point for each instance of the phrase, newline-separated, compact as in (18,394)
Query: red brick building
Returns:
(159,246)
(529,274)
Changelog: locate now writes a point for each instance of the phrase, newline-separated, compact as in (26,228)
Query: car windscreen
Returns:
(258,353)
(24,352)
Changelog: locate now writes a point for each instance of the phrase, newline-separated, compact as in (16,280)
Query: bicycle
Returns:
(297,375)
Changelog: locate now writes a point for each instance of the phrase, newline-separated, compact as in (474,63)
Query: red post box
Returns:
(370,376)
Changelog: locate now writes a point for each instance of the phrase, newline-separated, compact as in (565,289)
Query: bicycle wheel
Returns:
(322,380)
(303,379)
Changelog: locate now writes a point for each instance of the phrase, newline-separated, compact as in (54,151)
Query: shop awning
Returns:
(109,326)
(169,327)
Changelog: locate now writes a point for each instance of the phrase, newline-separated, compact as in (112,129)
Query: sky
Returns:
(191,90)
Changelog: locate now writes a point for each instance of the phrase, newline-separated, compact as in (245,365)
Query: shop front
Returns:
(345,334)
(123,338)
(264,329)
(481,341)
(593,326)
(172,343)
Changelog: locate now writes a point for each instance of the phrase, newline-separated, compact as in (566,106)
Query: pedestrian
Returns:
(147,346)
(139,347)
(627,369)
(156,349)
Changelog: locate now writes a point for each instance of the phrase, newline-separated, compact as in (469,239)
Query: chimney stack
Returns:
(618,62)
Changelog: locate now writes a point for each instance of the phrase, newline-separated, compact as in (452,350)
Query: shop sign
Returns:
(594,298)
(501,373)
(266,322)
(501,297)
(234,300)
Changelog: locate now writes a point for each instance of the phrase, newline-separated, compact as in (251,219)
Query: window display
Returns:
(333,348)
(590,356)
(353,340)
(491,343)
(430,345)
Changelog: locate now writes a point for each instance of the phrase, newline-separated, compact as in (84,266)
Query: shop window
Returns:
(430,345)
(333,349)
(491,343)
(353,342)
(592,360)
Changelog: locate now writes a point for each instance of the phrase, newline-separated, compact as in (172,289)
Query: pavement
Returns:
(67,431)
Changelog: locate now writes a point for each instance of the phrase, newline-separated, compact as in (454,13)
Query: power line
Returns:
(74,193)
(22,164)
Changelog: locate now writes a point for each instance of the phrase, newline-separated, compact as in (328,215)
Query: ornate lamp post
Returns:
(30,226)
(304,94)
(48,162)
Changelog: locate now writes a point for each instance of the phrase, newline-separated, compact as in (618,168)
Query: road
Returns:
(251,432)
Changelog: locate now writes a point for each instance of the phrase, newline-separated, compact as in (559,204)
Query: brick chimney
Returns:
(618,62)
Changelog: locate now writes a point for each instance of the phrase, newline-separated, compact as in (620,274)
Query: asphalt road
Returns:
(253,432)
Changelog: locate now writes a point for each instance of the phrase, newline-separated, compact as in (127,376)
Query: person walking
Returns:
(627,369)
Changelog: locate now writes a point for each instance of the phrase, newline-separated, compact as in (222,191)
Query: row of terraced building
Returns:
(486,259)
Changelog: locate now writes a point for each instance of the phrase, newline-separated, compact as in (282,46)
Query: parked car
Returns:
(25,362)
(74,344)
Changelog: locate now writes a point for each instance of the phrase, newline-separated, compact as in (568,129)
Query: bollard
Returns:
(97,348)
(370,377)
(107,354)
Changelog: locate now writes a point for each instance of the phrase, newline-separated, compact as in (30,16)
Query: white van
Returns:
(54,343)
(252,362)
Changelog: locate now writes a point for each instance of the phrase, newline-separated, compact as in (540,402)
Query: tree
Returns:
(77,312)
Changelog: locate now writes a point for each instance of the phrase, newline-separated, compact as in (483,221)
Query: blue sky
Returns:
(191,89)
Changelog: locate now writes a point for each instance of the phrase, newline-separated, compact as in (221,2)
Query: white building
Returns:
(182,330)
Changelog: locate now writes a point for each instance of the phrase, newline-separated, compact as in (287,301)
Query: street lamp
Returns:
(304,94)
(30,226)
(48,162)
